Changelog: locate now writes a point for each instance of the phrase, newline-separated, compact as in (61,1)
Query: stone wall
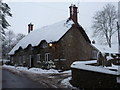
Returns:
(74,47)
(90,79)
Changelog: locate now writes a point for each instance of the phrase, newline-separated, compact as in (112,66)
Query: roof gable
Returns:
(84,33)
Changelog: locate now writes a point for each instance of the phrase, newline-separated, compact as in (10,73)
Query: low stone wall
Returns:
(90,79)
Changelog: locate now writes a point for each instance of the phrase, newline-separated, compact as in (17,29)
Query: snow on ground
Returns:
(67,84)
(68,71)
(64,82)
(36,70)
(9,66)
(39,70)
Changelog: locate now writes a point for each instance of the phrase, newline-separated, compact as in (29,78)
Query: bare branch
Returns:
(104,23)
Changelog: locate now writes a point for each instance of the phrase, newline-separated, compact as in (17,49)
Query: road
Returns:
(10,80)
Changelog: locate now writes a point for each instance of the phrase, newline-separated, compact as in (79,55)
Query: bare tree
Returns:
(104,23)
(11,39)
(10,36)
(8,43)
(19,37)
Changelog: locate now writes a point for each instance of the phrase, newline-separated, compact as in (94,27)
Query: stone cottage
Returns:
(61,43)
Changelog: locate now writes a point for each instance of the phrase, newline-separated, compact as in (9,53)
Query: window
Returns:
(94,54)
(47,56)
(12,59)
(20,60)
(38,58)
(44,44)
(24,59)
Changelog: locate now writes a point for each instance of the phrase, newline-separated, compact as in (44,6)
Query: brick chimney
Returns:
(30,27)
(73,13)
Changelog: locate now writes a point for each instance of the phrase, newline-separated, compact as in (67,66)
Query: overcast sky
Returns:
(46,13)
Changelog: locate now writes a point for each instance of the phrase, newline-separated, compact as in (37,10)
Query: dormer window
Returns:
(44,44)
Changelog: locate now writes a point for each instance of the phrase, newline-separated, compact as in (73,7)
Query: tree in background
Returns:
(104,23)
(19,37)
(8,43)
(11,39)
(4,11)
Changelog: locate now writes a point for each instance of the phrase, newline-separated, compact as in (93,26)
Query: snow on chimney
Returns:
(30,27)
(73,13)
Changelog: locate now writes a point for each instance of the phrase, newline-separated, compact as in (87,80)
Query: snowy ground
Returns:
(37,70)
(53,77)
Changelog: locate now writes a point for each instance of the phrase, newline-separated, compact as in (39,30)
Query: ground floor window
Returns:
(24,59)
(12,59)
(47,56)
(38,58)
(94,54)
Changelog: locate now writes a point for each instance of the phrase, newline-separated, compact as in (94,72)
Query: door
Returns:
(31,61)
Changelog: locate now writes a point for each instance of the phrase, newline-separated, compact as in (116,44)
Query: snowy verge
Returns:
(67,84)
(33,70)
(37,70)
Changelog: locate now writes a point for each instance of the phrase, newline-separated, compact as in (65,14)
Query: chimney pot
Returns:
(30,27)
(73,13)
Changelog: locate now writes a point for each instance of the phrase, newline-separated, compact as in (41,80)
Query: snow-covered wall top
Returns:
(84,66)
(49,33)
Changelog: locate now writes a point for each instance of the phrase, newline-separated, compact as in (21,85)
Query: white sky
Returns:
(42,12)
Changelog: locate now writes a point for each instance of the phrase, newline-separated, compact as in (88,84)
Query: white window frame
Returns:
(12,59)
(38,58)
(47,56)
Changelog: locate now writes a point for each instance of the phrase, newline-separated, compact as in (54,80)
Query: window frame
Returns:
(39,58)
(47,56)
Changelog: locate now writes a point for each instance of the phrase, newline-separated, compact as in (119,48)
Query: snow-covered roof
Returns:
(49,33)
(84,66)
(106,48)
